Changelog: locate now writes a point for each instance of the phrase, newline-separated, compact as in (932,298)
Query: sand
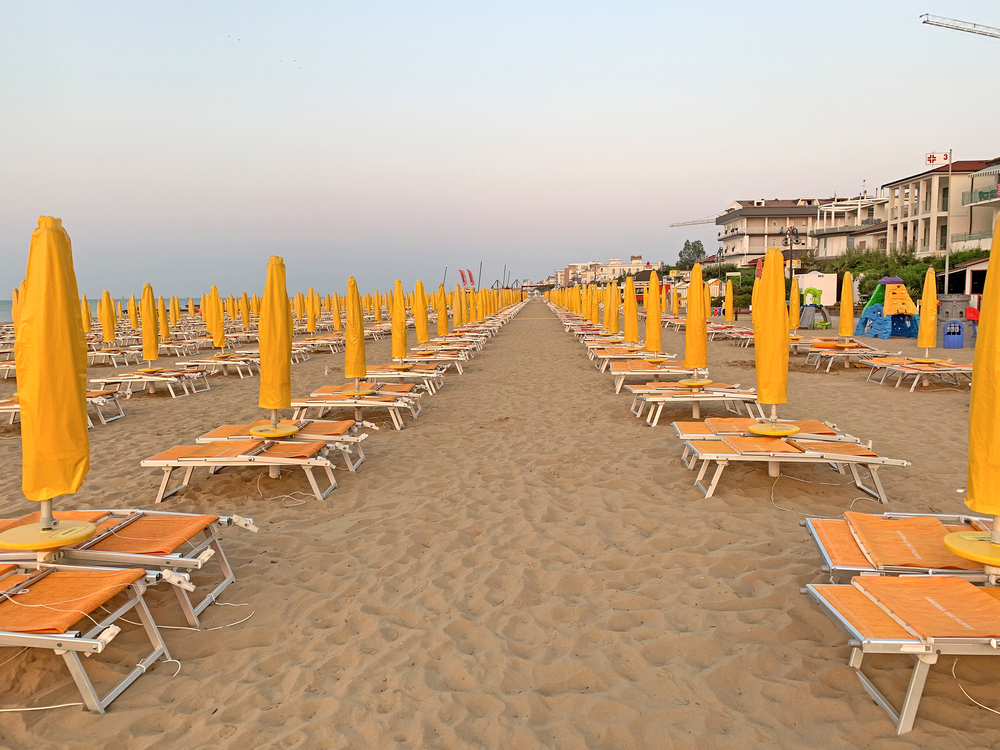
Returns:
(526,565)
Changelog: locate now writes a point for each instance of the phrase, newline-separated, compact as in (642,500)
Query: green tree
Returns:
(692,252)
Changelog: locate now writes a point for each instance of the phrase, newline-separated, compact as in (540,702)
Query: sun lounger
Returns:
(775,451)
(924,617)
(921,372)
(179,383)
(437,357)
(327,403)
(604,357)
(717,428)
(8,370)
(40,607)
(431,377)
(646,370)
(95,399)
(658,395)
(859,352)
(237,453)
(893,544)
(242,365)
(154,540)
(114,357)
(342,435)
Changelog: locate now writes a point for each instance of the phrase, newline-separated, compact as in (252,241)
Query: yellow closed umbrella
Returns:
(770,334)
(310,311)
(631,312)
(378,307)
(399,343)
(336,312)
(846,327)
(219,322)
(456,308)
(161,315)
(175,310)
(420,321)
(191,310)
(595,305)
(675,303)
(611,322)
(107,314)
(275,337)
(354,334)
(245,310)
(728,303)
(794,305)
(118,305)
(441,303)
(133,313)
(695,327)
(927,332)
(85,313)
(50,355)
(255,305)
(150,325)
(984,406)
(653,320)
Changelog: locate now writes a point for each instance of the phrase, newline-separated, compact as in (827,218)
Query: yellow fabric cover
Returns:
(133,313)
(84,311)
(399,342)
(150,326)
(275,337)
(161,317)
(695,330)
(107,318)
(441,304)
(794,305)
(631,311)
(354,338)
(653,321)
(218,321)
(771,336)
(420,314)
(984,405)
(51,359)
(245,310)
(927,332)
(611,308)
(728,303)
(846,327)
(311,311)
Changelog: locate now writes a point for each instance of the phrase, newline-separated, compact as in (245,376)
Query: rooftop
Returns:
(960,167)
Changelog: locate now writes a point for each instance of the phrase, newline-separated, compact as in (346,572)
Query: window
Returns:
(944,199)
(870,214)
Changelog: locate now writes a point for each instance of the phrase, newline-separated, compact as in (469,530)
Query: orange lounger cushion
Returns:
(694,428)
(750,445)
(935,606)
(396,388)
(294,450)
(721,426)
(228,430)
(843,449)
(840,545)
(61,599)
(714,447)
(154,535)
(864,614)
(904,542)
(328,429)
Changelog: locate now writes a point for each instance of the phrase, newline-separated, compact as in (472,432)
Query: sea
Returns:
(5,307)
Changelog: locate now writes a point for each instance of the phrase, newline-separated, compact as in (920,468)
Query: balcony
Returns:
(773,231)
(979,195)
(972,236)
(821,231)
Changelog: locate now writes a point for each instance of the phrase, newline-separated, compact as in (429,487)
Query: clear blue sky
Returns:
(184,143)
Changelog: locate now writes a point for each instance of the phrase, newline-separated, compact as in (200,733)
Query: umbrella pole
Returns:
(46,521)
(274,472)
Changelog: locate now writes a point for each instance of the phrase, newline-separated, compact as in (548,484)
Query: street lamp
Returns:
(791,240)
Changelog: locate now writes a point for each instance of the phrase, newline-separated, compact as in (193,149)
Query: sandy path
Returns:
(526,566)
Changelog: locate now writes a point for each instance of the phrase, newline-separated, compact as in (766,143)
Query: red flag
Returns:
(472,281)
(462,274)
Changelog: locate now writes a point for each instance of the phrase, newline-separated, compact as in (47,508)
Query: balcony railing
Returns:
(906,211)
(971,236)
(979,195)
(820,231)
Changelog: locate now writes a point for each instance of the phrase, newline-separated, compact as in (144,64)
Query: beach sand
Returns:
(526,565)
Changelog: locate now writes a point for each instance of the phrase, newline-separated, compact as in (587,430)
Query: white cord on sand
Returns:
(991,710)
(38,708)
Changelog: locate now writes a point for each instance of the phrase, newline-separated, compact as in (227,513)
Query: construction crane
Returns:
(967,26)
(707,220)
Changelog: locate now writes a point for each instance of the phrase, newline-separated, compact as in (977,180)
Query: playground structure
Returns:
(812,306)
(890,312)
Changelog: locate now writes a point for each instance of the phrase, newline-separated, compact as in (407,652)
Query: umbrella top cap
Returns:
(49,222)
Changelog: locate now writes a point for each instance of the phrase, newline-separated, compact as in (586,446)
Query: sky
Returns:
(183,143)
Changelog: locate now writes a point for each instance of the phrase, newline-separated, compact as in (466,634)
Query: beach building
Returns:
(749,227)
(925,212)
(844,224)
